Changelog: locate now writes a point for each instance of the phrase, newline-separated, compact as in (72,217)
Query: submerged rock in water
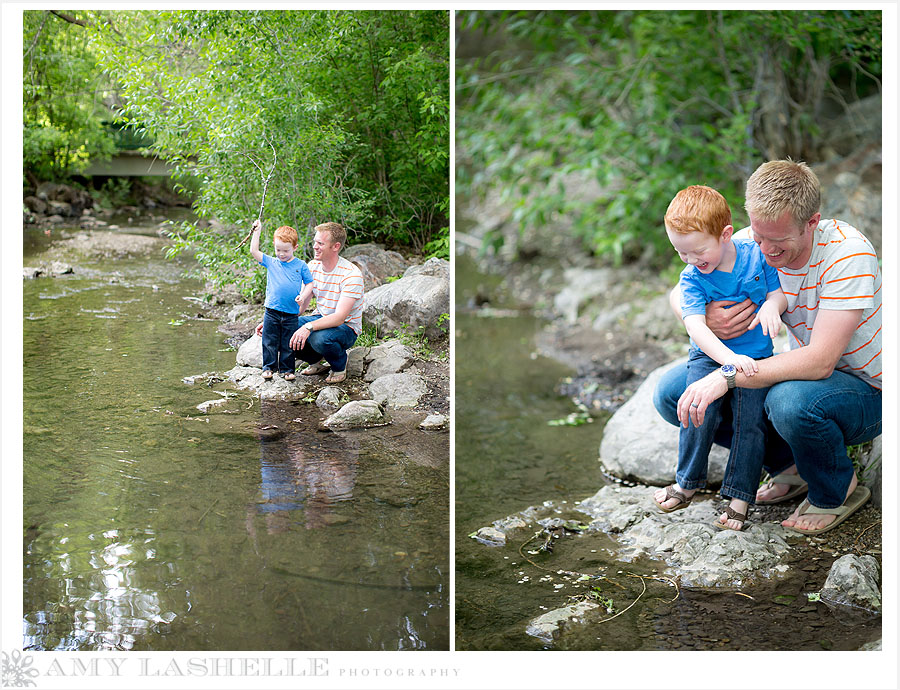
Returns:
(358,414)
(489,536)
(550,625)
(852,583)
(639,445)
(205,407)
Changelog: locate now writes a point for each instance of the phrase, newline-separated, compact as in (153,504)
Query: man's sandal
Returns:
(315,369)
(336,376)
(796,482)
(672,492)
(854,502)
(732,515)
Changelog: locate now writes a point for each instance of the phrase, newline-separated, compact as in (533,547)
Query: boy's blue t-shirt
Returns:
(284,281)
(751,277)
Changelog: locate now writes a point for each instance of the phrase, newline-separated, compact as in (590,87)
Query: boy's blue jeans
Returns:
(330,343)
(278,327)
(811,423)
(745,460)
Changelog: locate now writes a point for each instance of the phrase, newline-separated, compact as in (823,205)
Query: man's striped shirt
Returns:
(843,273)
(345,280)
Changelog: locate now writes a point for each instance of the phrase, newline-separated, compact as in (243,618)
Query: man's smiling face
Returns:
(783,243)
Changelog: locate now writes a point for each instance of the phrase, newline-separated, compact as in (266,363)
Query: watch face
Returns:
(728,369)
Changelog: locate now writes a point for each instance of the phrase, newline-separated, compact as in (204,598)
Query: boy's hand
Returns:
(257,226)
(769,318)
(746,364)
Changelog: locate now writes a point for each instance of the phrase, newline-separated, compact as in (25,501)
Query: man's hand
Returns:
(731,322)
(298,340)
(697,397)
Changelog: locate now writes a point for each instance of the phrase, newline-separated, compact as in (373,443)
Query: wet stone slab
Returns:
(695,552)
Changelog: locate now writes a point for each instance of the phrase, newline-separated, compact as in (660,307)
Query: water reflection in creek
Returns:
(150,526)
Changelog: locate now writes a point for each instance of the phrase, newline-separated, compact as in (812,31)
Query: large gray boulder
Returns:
(376,263)
(398,390)
(852,583)
(639,445)
(870,472)
(417,299)
(358,414)
(391,357)
(249,354)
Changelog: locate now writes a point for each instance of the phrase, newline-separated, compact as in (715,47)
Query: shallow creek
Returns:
(508,457)
(149,525)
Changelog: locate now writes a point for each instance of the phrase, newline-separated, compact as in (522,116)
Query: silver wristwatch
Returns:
(308,326)
(729,371)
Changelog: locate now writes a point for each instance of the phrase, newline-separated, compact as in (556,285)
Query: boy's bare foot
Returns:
(267,375)
(729,521)
(813,521)
(667,502)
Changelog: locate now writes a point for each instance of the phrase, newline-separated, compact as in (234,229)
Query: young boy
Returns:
(698,223)
(289,286)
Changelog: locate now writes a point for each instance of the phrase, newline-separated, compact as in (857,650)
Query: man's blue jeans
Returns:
(330,343)
(811,424)
(748,445)
(278,327)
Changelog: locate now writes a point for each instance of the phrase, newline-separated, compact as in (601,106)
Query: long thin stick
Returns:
(262,202)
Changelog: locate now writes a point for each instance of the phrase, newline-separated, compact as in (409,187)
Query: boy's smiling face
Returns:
(700,249)
(284,251)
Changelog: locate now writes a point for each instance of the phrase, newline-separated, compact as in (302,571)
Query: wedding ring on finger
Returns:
(694,405)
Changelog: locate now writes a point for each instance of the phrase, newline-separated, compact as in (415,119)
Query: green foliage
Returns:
(62,106)
(337,115)
(594,120)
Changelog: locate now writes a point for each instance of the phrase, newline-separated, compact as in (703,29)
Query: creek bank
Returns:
(398,378)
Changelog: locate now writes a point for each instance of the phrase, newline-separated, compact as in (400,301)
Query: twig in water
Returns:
(207,511)
(644,584)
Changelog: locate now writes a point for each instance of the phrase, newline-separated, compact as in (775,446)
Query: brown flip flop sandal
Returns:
(733,515)
(672,492)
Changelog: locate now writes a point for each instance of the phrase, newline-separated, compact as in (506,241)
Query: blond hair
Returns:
(698,209)
(784,185)
(335,230)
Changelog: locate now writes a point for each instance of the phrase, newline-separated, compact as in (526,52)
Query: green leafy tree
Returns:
(63,97)
(310,108)
(598,118)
